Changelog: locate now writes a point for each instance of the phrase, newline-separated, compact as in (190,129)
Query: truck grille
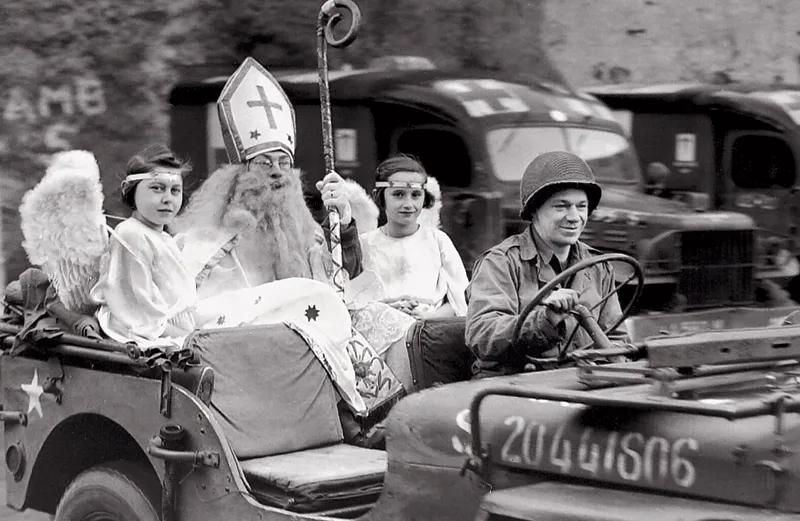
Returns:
(717,268)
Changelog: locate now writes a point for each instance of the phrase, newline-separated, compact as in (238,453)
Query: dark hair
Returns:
(146,160)
(393,165)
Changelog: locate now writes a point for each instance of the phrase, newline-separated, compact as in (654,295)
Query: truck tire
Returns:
(120,491)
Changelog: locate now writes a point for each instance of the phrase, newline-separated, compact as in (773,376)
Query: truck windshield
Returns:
(610,155)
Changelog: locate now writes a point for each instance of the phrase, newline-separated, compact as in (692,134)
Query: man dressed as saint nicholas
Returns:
(248,227)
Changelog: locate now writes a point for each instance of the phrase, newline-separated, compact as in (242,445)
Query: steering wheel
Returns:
(584,315)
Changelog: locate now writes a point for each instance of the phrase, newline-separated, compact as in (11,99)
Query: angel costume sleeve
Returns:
(143,285)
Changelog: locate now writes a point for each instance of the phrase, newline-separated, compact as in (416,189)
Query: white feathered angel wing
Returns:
(64,227)
(430,216)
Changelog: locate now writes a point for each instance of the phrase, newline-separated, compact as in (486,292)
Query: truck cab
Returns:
(736,147)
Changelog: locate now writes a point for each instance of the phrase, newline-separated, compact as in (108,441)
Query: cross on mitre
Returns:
(268,105)
(255,114)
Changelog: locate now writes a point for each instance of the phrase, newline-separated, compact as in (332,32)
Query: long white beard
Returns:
(278,245)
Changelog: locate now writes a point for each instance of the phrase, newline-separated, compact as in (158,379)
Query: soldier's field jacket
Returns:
(505,280)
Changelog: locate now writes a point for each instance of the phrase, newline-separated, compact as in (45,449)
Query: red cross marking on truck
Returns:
(483,97)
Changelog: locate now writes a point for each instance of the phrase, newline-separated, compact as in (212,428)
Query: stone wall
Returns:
(667,40)
(90,75)
(96,74)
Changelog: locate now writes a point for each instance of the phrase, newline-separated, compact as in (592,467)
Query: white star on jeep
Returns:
(34,392)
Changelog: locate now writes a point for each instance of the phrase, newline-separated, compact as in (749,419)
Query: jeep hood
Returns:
(647,448)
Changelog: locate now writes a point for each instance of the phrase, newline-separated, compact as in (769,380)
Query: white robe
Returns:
(227,299)
(143,285)
(424,266)
(209,254)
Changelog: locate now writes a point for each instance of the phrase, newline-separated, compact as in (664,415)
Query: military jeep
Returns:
(703,426)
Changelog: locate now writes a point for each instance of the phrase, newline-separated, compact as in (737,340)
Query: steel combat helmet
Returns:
(553,171)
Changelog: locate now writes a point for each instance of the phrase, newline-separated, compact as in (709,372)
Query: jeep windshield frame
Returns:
(610,154)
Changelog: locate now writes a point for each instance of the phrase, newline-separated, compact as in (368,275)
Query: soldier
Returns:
(557,194)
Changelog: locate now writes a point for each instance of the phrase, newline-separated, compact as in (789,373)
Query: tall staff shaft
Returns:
(378,394)
(327,20)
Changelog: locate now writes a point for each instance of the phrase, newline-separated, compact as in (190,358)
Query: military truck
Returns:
(476,132)
(703,426)
(732,147)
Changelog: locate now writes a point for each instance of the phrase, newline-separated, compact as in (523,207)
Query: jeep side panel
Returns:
(104,417)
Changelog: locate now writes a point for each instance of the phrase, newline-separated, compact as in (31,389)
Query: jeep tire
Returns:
(119,491)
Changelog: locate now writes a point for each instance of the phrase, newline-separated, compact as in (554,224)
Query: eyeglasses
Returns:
(284,164)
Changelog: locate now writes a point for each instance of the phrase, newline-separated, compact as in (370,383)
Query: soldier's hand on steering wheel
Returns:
(559,303)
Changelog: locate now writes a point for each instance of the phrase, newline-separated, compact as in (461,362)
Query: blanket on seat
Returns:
(271,394)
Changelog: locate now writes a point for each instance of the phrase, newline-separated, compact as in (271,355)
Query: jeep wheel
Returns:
(121,491)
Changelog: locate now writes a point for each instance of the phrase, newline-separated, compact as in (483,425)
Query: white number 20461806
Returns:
(631,456)
(584,451)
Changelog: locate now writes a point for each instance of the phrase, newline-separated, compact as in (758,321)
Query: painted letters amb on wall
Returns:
(36,121)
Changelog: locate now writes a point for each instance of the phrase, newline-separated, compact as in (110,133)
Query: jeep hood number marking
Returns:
(590,453)
(630,456)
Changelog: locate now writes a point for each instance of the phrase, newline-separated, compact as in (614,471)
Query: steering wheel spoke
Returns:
(614,291)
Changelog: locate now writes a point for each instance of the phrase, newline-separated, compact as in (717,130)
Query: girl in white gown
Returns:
(144,292)
(418,271)
(418,267)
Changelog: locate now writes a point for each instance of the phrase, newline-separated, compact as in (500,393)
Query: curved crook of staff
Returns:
(328,18)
